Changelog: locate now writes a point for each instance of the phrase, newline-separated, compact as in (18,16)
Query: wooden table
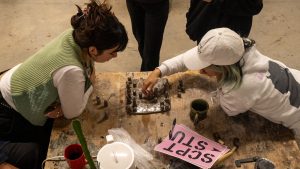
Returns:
(258,137)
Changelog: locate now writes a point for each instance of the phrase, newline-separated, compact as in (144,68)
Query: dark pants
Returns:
(148,21)
(21,155)
(16,129)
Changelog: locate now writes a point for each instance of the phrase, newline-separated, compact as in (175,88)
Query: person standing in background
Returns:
(204,15)
(148,21)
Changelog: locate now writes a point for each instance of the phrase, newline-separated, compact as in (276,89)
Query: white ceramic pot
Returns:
(115,155)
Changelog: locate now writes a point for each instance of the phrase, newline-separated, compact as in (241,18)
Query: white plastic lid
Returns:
(116,155)
(109,138)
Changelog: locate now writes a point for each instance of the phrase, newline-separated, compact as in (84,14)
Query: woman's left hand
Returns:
(56,113)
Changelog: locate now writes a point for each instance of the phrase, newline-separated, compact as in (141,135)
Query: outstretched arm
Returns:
(168,67)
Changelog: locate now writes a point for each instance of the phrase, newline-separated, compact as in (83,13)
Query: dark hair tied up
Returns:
(76,19)
(99,27)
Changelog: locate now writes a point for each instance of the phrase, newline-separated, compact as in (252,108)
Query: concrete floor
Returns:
(27,25)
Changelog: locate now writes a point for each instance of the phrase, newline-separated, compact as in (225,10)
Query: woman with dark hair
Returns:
(247,79)
(57,80)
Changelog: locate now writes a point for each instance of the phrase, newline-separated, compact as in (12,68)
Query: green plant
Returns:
(77,128)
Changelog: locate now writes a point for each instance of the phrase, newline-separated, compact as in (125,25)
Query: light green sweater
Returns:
(32,84)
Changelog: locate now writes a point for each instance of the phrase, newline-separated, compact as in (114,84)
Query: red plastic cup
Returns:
(75,157)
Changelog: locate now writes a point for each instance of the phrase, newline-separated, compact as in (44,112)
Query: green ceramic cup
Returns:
(198,112)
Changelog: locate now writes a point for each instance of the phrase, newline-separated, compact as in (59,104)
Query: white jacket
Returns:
(269,88)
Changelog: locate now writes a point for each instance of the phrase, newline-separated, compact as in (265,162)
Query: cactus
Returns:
(77,128)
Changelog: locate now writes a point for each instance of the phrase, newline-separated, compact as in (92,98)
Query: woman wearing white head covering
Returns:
(248,80)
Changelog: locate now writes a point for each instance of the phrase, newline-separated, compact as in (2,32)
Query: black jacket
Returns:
(234,14)
(148,1)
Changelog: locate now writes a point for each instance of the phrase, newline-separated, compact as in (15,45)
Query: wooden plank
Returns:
(258,137)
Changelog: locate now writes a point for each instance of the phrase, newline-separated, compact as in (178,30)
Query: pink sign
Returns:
(191,147)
